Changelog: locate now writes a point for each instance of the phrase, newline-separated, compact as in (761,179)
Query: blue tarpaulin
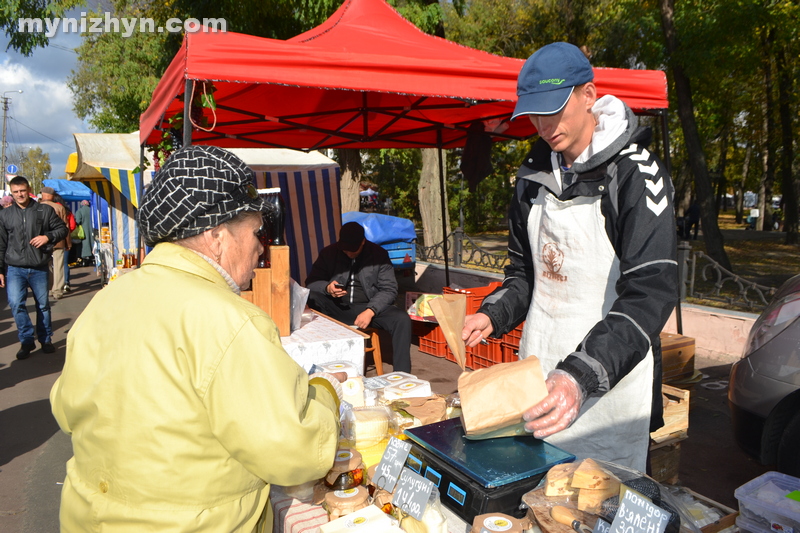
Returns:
(71,191)
(382,229)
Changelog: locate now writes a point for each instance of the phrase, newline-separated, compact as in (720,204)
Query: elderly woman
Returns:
(182,405)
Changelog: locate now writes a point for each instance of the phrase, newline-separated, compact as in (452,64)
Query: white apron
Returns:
(575,273)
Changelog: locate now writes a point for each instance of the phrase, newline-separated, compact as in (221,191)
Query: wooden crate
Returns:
(271,290)
(676,415)
(677,357)
(665,460)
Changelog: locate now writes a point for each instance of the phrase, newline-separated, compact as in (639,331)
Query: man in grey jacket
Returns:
(353,281)
(28,231)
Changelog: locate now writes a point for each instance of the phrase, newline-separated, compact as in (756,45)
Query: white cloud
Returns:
(42,115)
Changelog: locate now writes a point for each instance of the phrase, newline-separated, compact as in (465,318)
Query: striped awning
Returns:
(125,181)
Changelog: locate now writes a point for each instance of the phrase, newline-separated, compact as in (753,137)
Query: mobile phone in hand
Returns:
(338,286)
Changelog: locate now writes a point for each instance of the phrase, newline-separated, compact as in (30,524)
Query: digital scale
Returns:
(480,476)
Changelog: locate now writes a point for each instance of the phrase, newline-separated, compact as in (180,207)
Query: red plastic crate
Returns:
(434,334)
(439,349)
(510,353)
(514,336)
(485,355)
(475,295)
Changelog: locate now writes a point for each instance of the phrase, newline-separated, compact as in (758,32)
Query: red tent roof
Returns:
(365,78)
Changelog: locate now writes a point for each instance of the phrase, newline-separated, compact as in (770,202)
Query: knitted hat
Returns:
(198,188)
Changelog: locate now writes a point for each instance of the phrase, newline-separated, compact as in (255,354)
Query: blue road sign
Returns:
(12,169)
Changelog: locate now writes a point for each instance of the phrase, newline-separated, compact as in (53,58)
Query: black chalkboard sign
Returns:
(412,493)
(638,514)
(392,463)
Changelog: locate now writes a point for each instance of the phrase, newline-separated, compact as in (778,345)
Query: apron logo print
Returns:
(553,259)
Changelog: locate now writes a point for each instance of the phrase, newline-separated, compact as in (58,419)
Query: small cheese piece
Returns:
(558,480)
(353,391)
(590,475)
(370,426)
(589,500)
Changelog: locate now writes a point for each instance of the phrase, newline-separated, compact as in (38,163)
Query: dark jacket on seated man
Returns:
(366,281)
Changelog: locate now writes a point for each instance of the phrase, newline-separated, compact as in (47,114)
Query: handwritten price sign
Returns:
(392,462)
(636,513)
(412,493)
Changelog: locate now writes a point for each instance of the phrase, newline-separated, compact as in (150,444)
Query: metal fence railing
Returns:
(702,278)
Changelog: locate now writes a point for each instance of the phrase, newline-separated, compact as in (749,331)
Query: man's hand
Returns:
(364,318)
(335,289)
(2,281)
(559,409)
(39,241)
(476,328)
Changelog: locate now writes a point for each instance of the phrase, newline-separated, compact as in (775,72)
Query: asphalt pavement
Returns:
(33,451)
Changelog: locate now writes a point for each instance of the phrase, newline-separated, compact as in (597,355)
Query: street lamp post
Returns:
(6,99)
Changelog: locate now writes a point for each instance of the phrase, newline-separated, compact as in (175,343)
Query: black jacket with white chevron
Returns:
(636,201)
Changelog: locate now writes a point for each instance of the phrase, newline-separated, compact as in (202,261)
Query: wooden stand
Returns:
(271,290)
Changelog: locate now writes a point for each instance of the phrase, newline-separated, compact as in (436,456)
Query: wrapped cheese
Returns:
(366,426)
(341,366)
(410,388)
(369,519)
(491,522)
(393,378)
(353,391)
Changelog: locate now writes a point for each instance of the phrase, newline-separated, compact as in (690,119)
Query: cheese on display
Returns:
(411,388)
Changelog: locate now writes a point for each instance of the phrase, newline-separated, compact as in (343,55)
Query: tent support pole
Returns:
(444,207)
(187,109)
(139,192)
(667,163)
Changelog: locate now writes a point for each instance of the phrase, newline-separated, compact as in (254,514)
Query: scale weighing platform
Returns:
(480,476)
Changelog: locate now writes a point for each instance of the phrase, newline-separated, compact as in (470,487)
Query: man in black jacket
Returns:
(593,269)
(28,231)
(353,281)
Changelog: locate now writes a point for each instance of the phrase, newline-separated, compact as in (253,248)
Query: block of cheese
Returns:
(558,480)
(397,377)
(353,391)
(410,388)
(589,500)
(369,518)
(590,475)
(369,426)
(340,366)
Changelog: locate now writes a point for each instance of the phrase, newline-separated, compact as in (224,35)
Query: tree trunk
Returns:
(722,163)
(740,192)
(697,159)
(788,181)
(350,165)
(430,195)
(768,178)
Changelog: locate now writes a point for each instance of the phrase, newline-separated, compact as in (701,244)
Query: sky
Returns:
(42,115)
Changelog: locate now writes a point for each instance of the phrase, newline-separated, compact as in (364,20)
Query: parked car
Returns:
(764,390)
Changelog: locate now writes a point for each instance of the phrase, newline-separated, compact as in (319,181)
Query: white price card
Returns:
(412,493)
(392,463)
(637,513)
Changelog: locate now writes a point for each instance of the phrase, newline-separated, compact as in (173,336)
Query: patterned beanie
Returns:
(198,188)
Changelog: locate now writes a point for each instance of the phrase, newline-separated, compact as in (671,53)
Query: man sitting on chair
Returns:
(353,281)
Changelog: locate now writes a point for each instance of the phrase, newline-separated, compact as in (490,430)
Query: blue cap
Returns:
(548,77)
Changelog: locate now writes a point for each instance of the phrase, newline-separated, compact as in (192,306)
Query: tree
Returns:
(11,11)
(35,165)
(697,160)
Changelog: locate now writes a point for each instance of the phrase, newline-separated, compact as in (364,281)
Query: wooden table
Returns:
(321,340)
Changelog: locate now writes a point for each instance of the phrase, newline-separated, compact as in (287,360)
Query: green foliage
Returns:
(396,172)
(35,165)
(13,10)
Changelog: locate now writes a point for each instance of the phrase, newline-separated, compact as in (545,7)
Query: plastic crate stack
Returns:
(503,350)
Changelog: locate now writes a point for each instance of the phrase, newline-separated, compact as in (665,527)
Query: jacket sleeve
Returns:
(508,305)
(3,243)
(264,411)
(54,227)
(385,284)
(647,289)
(323,270)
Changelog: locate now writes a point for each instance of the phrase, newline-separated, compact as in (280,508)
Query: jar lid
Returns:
(491,522)
(346,459)
(346,498)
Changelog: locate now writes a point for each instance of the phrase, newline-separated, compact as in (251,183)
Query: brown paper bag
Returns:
(493,399)
(450,311)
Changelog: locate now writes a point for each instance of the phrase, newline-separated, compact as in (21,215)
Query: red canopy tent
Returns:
(366,78)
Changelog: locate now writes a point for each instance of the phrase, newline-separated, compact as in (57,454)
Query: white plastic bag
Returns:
(299,299)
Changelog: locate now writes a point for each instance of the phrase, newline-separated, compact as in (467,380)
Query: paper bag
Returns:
(450,311)
(493,399)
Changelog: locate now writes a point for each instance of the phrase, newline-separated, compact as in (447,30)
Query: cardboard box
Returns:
(676,415)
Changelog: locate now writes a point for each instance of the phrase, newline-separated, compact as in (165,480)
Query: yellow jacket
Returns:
(183,407)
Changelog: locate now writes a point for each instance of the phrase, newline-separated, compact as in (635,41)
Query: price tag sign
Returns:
(412,493)
(392,462)
(601,526)
(637,513)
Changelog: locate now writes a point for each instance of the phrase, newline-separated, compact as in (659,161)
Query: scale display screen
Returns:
(490,462)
